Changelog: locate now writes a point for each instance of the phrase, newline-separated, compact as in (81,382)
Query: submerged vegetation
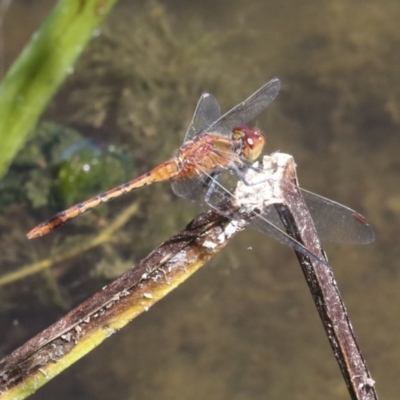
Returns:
(124,109)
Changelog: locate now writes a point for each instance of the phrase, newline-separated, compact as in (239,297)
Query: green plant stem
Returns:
(41,67)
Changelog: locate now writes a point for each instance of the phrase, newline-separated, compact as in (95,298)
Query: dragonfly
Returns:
(215,145)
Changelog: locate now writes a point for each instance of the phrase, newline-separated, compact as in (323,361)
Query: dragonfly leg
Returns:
(240,174)
(212,183)
(219,204)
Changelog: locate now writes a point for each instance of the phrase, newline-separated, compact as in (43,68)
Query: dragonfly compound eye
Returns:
(252,139)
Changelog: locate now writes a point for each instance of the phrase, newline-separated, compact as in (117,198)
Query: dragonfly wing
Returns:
(269,223)
(193,189)
(207,111)
(209,189)
(247,110)
(333,221)
(337,223)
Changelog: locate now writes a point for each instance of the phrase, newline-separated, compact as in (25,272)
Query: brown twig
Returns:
(324,290)
(53,350)
(85,327)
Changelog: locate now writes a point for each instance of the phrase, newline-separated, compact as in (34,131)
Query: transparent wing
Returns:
(247,110)
(212,191)
(193,189)
(337,223)
(334,222)
(200,187)
(207,111)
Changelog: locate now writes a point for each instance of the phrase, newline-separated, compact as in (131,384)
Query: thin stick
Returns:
(84,328)
(321,282)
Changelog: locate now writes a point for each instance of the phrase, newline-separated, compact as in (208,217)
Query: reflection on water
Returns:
(244,327)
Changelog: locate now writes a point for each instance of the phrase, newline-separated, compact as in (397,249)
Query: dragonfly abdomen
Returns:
(164,172)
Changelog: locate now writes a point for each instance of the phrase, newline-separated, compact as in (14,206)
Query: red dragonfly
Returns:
(216,144)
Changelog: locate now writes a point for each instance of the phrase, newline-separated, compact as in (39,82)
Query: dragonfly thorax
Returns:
(251,140)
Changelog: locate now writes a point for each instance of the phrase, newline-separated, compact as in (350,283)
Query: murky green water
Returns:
(244,327)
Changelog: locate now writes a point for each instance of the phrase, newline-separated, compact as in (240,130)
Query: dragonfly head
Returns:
(252,141)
